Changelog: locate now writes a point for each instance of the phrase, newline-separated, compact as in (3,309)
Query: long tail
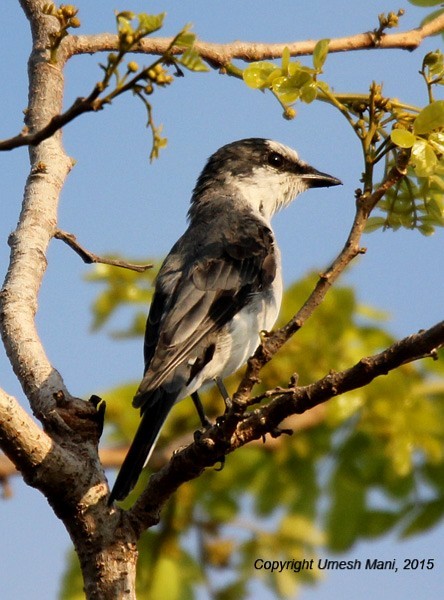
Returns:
(143,444)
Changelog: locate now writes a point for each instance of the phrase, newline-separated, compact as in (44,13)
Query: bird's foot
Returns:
(198,434)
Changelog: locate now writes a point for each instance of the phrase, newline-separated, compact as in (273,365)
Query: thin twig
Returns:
(89,257)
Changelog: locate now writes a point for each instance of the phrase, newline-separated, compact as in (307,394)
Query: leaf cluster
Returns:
(291,80)
(383,125)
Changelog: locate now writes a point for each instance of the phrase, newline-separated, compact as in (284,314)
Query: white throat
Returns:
(266,191)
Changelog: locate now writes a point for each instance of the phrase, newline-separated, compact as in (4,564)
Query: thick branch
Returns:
(223,438)
(37,221)
(222,54)
(22,440)
(42,463)
(421,345)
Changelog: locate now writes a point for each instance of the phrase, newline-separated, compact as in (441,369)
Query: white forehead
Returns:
(282,149)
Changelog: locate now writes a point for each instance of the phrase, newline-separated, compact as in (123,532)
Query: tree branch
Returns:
(29,242)
(27,446)
(26,138)
(223,438)
(89,257)
(221,54)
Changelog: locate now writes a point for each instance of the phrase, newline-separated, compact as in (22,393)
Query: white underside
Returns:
(242,336)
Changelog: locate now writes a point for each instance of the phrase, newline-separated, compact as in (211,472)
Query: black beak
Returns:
(314,178)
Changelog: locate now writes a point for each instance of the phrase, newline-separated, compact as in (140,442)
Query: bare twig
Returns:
(79,107)
(89,257)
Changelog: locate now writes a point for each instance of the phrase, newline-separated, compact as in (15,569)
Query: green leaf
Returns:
(297,528)
(436,140)
(236,589)
(150,23)
(191,60)
(166,582)
(426,229)
(257,75)
(320,54)
(431,117)
(426,517)
(424,158)
(378,522)
(72,580)
(285,59)
(403,138)
(185,39)
(434,61)
(309,92)
(287,92)
(290,88)
(345,517)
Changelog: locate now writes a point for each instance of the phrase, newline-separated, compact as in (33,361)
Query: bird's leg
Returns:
(200,410)
(223,392)
(206,423)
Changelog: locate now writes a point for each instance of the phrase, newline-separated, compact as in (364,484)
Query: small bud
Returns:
(68,10)
(289,113)
(74,22)
(392,19)
(133,66)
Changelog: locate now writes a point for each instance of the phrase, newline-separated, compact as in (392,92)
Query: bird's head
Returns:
(263,173)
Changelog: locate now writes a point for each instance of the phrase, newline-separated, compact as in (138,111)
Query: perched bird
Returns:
(219,286)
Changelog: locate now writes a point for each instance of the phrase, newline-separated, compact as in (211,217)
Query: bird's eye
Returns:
(275,159)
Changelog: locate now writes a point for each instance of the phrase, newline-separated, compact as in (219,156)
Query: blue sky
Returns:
(115,201)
